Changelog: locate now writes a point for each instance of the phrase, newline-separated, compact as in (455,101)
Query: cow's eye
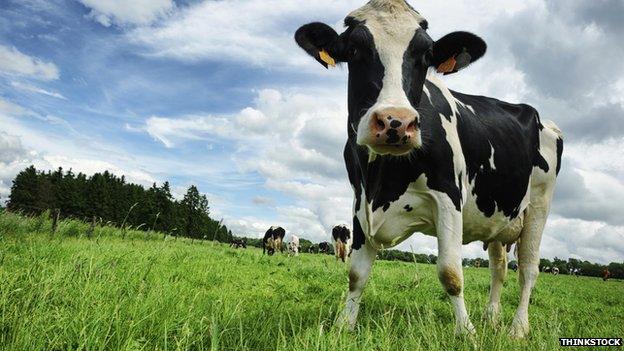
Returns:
(357,53)
(360,43)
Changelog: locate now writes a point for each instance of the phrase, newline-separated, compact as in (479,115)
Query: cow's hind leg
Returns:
(361,265)
(498,270)
(528,255)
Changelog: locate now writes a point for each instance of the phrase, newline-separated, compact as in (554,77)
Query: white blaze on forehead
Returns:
(392,24)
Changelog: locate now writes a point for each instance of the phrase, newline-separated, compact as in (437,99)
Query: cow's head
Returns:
(388,52)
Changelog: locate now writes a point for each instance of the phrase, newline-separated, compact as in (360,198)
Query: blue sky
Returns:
(216,93)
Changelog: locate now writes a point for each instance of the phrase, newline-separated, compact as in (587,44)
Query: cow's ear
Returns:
(457,50)
(319,41)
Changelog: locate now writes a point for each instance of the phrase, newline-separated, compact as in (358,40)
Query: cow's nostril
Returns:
(411,126)
(395,124)
(380,124)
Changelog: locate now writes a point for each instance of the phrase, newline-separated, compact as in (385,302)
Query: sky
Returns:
(217,94)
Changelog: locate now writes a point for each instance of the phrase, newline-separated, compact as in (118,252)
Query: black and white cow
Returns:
(324,247)
(341,237)
(423,158)
(272,240)
(238,243)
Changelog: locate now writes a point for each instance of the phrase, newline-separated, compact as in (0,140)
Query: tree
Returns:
(544,262)
(24,191)
(195,211)
(163,201)
(616,269)
(561,264)
(108,197)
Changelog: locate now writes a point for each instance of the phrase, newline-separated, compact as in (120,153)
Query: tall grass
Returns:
(64,291)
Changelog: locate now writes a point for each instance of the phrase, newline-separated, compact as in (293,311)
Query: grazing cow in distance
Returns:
(314,248)
(341,237)
(293,245)
(606,274)
(423,158)
(555,271)
(238,243)
(324,247)
(272,240)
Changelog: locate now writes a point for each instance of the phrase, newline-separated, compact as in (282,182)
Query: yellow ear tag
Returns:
(326,58)
(447,66)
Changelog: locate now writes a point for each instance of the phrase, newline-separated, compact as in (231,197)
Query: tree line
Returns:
(114,201)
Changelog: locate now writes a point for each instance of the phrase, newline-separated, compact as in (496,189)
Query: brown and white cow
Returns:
(423,158)
(341,237)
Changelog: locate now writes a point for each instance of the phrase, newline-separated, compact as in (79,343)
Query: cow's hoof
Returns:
(345,326)
(344,323)
(465,329)
(492,314)
(518,329)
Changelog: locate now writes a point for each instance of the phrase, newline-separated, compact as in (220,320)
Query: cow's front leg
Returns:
(449,232)
(361,263)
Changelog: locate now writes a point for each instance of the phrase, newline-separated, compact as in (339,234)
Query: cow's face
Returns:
(389,53)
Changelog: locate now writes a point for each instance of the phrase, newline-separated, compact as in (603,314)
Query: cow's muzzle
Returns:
(393,131)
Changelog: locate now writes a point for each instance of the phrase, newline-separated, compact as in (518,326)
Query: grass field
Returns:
(144,293)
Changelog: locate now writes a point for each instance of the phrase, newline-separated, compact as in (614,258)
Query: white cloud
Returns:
(260,32)
(35,89)
(294,140)
(590,240)
(121,12)
(13,158)
(11,148)
(13,62)
(11,109)
(602,156)
(167,130)
(250,31)
(23,146)
(261,200)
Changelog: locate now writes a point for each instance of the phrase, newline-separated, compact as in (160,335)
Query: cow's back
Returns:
(506,147)
(500,142)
